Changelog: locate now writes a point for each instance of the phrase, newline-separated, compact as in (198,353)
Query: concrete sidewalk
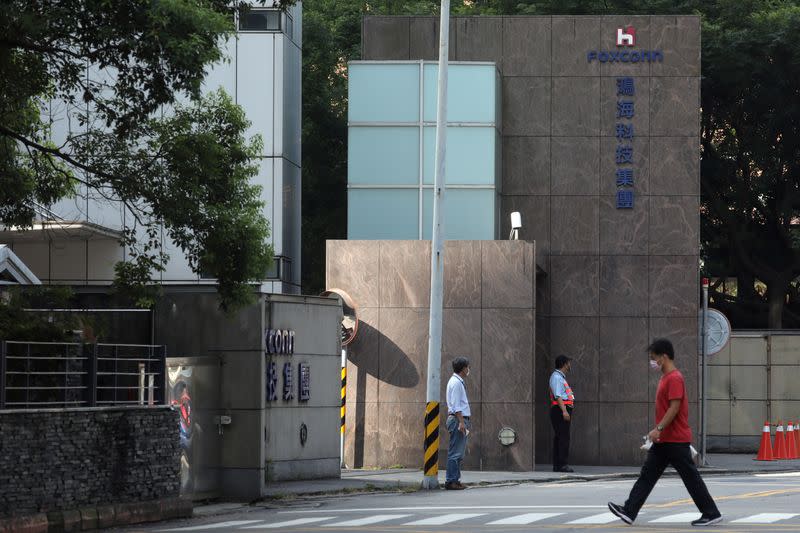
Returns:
(355,480)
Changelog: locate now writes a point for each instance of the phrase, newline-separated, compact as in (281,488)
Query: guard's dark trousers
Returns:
(561,438)
(679,456)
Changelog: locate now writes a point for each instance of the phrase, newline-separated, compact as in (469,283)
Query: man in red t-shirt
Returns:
(671,440)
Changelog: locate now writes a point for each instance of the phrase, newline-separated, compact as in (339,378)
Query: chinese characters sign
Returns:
(279,344)
(623,131)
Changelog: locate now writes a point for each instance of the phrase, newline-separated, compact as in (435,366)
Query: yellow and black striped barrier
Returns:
(344,395)
(432,439)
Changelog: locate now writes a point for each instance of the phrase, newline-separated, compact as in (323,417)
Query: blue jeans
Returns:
(455,449)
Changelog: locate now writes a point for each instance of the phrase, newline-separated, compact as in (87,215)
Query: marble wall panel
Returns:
(572,38)
(610,96)
(508,274)
(526,46)
(363,358)
(405,274)
(622,425)
(542,300)
(608,41)
(424,36)
(575,109)
(361,434)
(623,285)
(526,106)
(574,223)
(507,370)
(461,337)
(584,436)
(479,39)
(385,38)
(353,266)
(640,166)
(401,434)
(544,435)
(675,106)
(675,166)
(462,274)
(403,354)
(535,212)
(520,455)
(624,231)
(526,165)
(679,37)
(577,338)
(623,351)
(674,225)
(575,285)
(575,168)
(673,286)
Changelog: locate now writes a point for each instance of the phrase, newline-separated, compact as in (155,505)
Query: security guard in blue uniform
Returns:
(562,401)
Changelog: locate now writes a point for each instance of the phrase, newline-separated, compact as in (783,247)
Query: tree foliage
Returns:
(130,73)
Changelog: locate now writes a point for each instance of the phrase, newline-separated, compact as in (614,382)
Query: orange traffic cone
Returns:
(780,442)
(791,442)
(765,448)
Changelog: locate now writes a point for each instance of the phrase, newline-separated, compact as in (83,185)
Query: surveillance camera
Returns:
(516,220)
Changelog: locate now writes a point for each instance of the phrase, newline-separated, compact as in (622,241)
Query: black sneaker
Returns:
(620,513)
(707,520)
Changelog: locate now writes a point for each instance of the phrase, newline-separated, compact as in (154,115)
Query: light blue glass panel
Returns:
(471,93)
(383,92)
(383,214)
(471,155)
(469,214)
(383,155)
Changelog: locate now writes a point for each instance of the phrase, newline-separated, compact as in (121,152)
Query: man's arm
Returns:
(563,407)
(669,416)
(462,427)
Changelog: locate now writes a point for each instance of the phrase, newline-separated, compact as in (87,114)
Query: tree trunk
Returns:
(776,297)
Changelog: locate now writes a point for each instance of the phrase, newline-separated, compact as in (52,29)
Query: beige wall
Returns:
(755,378)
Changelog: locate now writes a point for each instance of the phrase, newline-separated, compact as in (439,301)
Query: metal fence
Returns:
(56,374)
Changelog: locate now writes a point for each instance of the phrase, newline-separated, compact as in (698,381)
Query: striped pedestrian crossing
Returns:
(348,519)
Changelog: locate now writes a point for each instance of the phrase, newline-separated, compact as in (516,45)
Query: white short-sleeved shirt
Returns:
(558,386)
(457,396)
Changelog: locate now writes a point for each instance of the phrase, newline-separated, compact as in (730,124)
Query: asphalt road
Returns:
(754,503)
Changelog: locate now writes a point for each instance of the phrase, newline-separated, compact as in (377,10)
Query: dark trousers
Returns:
(561,438)
(679,456)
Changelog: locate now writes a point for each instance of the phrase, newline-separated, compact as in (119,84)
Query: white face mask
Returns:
(467,371)
(654,365)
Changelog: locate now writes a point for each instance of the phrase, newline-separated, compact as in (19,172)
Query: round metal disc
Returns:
(718,331)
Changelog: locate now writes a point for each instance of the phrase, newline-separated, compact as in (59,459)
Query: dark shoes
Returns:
(620,513)
(454,485)
(562,469)
(707,520)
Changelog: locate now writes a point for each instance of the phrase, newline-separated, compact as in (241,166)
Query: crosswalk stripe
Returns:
(288,523)
(523,519)
(602,518)
(444,519)
(764,518)
(221,525)
(676,518)
(368,520)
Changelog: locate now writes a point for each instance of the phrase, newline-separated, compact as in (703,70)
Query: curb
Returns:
(102,516)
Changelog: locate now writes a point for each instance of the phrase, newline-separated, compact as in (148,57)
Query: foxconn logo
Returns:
(626,36)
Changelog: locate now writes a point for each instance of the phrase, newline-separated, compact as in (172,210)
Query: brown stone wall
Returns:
(616,278)
(489,300)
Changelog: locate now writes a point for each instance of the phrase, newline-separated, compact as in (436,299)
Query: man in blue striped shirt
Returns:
(457,424)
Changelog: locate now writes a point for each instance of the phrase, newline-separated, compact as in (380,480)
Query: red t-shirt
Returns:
(671,387)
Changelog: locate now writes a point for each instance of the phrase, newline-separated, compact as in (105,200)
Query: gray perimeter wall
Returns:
(616,278)
(489,309)
(65,459)
(753,379)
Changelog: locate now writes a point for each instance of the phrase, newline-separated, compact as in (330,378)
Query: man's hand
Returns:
(565,414)
(654,435)
(462,427)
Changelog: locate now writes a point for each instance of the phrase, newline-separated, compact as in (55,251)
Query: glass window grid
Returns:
(421,124)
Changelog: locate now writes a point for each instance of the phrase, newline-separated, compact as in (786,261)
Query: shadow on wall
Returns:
(376,355)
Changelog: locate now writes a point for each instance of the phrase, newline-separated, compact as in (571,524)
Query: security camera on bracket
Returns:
(516,224)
